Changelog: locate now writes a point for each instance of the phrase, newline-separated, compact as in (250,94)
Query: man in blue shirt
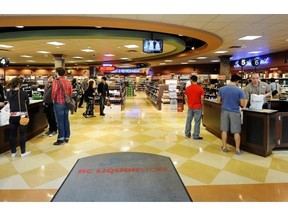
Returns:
(231,97)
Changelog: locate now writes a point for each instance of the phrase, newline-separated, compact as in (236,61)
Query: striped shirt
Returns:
(57,92)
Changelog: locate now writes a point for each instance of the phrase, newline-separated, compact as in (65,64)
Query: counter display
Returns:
(37,124)
(261,129)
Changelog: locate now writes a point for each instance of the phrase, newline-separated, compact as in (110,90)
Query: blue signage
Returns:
(249,62)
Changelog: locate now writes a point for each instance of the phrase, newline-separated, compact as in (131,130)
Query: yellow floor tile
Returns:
(183,151)
(280,165)
(44,174)
(7,170)
(248,170)
(198,171)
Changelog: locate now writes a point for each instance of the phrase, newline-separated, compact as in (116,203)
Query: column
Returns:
(225,65)
(59,60)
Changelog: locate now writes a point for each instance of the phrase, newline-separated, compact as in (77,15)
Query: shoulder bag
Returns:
(24,120)
(69,101)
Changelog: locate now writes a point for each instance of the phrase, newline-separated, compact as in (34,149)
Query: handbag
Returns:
(24,120)
(69,101)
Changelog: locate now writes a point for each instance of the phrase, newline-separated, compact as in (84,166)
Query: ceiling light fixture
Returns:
(192,60)
(43,52)
(55,43)
(109,55)
(131,46)
(87,50)
(77,57)
(221,51)
(168,60)
(5,46)
(249,37)
(201,57)
(19,26)
(25,56)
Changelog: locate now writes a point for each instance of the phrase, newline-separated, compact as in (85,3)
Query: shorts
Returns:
(230,121)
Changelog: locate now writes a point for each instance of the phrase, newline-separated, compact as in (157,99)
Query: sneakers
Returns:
(187,137)
(197,138)
(26,154)
(58,142)
(102,114)
(47,133)
(66,140)
(13,155)
(53,133)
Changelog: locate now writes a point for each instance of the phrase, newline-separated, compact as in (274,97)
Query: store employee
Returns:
(256,86)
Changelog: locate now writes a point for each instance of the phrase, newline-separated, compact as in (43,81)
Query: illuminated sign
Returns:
(250,62)
(107,68)
(128,70)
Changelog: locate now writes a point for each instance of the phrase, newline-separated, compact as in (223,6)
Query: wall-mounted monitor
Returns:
(152,46)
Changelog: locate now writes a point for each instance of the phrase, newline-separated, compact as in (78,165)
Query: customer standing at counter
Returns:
(49,108)
(231,97)
(18,101)
(256,86)
(195,97)
(60,109)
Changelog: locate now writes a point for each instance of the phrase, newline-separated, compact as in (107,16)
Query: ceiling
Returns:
(219,32)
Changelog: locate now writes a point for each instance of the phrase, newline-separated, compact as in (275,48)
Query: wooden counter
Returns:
(261,129)
(36,125)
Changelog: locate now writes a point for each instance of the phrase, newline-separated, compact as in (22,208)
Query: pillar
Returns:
(92,72)
(59,60)
(225,65)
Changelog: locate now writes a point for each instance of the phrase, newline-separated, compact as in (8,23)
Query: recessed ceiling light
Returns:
(19,26)
(255,52)
(55,43)
(25,56)
(5,46)
(43,52)
(215,60)
(125,58)
(249,37)
(109,55)
(77,57)
(184,62)
(98,26)
(89,60)
(192,60)
(201,57)
(221,52)
(87,50)
(30,61)
(162,63)
(130,46)
(168,60)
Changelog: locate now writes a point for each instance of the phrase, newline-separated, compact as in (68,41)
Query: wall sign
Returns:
(256,62)
(242,62)
(262,61)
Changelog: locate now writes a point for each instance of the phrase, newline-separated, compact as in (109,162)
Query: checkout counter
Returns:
(262,130)
(37,125)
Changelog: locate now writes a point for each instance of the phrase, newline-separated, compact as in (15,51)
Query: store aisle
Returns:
(140,128)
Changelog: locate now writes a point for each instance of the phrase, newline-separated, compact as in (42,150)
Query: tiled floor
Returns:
(141,128)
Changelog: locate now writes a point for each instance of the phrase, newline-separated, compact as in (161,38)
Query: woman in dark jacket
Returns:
(18,100)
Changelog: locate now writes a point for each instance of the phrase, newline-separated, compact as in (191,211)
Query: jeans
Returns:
(197,114)
(14,125)
(62,119)
(102,104)
(50,115)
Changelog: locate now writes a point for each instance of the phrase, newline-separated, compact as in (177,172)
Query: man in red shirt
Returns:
(195,97)
(60,109)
